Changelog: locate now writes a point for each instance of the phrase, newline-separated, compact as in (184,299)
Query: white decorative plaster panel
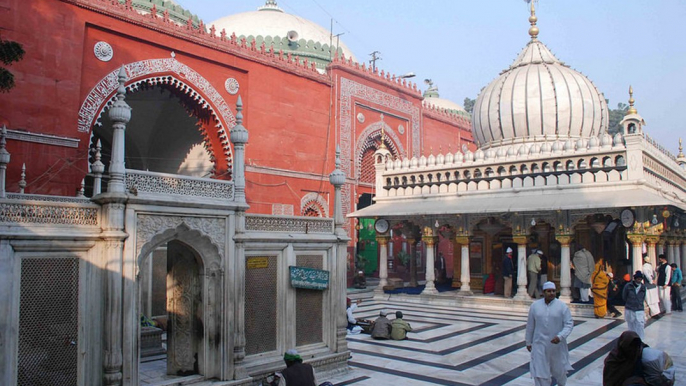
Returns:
(103,51)
(148,226)
(231,86)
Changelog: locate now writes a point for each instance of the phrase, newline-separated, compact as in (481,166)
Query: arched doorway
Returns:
(171,339)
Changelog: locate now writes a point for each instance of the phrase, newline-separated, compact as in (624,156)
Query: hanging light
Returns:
(654,221)
(533,222)
(676,221)
(436,225)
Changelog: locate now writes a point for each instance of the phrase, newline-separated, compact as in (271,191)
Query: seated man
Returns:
(359,281)
(382,326)
(296,373)
(399,327)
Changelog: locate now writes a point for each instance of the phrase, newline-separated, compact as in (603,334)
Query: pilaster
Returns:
(636,240)
(521,241)
(565,267)
(465,277)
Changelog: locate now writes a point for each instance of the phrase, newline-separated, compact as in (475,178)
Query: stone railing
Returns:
(266,223)
(144,183)
(598,160)
(49,210)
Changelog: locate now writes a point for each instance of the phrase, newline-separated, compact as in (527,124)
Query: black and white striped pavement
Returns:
(453,345)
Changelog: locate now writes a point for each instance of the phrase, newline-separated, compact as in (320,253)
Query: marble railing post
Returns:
(465,277)
(652,255)
(430,242)
(239,138)
(382,241)
(637,241)
(565,268)
(521,241)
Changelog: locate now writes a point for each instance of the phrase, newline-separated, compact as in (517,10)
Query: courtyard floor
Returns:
(466,346)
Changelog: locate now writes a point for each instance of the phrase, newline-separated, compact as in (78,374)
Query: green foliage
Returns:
(469,105)
(404,258)
(616,116)
(10,52)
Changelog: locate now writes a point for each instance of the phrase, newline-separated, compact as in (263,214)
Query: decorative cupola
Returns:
(632,123)
(382,154)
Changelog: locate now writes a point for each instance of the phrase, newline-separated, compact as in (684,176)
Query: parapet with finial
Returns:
(375,75)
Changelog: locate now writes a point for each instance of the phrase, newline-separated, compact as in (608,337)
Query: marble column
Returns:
(430,288)
(683,259)
(660,247)
(637,241)
(565,268)
(383,264)
(413,262)
(671,251)
(465,278)
(521,267)
(652,242)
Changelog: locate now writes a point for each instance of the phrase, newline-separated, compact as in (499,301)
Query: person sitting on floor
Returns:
(399,327)
(359,281)
(382,326)
(296,373)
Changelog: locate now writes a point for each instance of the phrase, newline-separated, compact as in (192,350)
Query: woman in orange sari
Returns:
(600,282)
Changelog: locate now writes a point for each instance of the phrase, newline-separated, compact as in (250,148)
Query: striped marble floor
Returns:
(462,346)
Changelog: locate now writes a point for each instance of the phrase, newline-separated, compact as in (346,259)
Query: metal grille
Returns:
(308,306)
(260,308)
(48,322)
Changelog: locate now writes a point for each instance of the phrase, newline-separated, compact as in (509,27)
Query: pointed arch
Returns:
(369,140)
(169,72)
(313,204)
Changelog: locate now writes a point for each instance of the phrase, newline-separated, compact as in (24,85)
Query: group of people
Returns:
(381,328)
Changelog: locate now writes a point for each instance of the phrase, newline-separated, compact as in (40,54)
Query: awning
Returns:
(523,201)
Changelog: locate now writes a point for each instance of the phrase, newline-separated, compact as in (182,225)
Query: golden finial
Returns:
(632,109)
(383,134)
(533,31)
(681,150)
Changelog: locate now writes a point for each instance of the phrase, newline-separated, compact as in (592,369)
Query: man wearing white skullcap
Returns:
(508,272)
(547,328)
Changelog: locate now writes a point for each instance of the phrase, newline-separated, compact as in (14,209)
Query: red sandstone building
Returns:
(302,100)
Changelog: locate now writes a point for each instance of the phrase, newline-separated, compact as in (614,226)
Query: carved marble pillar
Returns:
(430,241)
(521,241)
(660,246)
(465,277)
(383,264)
(239,137)
(411,242)
(4,160)
(337,179)
(637,241)
(652,250)
(671,250)
(565,268)
(683,259)
(235,290)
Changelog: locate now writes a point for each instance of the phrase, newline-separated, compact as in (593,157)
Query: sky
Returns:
(463,45)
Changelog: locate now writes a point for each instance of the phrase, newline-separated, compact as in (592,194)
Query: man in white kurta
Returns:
(547,329)
(649,279)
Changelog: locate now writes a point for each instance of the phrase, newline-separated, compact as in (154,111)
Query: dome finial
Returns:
(632,109)
(270,5)
(681,149)
(533,31)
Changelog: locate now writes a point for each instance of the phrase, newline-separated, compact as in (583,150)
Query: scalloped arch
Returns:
(155,71)
(193,238)
(315,201)
(368,138)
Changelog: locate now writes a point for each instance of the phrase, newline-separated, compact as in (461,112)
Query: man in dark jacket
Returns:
(297,373)
(382,326)
(508,272)
(634,294)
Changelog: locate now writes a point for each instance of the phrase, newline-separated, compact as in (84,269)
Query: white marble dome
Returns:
(270,20)
(537,97)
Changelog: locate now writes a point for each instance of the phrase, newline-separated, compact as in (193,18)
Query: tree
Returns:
(469,105)
(10,52)
(616,116)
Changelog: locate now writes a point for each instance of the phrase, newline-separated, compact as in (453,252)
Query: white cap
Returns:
(540,252)
(508,250)
(548,285)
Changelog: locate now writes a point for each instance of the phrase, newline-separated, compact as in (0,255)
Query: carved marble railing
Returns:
(661,168)
(49,210)
(289,224)
(655,145)
(598,160)
(144,183)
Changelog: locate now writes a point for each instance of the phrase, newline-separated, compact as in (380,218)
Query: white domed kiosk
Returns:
(537,97)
